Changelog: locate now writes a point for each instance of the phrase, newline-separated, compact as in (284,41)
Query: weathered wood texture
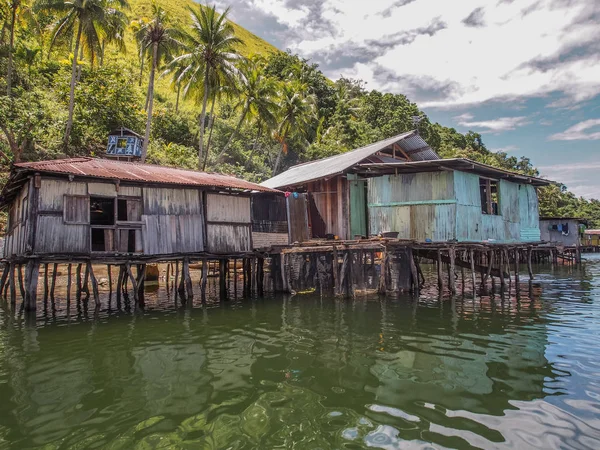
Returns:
(173,220)
(329,210)
(269,220)
(297,216)
(18,214)
(228,227)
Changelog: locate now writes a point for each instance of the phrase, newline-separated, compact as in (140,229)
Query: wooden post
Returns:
(11,282)
(529,265)
(69,281)
(46,282)
(86,277)
(4,277)
(501,267)
(168,276)
(53,284)
(204,278)
(78,281)
(260,275)
(451,269)
(415,276)
(462,270)
(344,275)
(90,271)
(490,263)
(517,269)
(176,285)
(336,274)
(222,280)
(31,282)
(119,286)
(188,280)
(21,285)
(473,278)
(133,282)
(109,272)
(439,272)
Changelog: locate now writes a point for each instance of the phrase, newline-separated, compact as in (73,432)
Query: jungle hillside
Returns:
(204,92)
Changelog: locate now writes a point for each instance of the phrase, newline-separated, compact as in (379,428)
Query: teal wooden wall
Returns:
(443,206)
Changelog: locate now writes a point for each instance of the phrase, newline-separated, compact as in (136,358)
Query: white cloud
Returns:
(507,149)
(581,178)
(579,132)
(457,64)
(496,125)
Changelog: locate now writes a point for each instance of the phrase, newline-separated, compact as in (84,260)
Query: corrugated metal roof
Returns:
(411,143)
(592,232)
(143,173)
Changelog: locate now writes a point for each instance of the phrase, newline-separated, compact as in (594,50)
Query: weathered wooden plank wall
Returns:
(173,221)
(228,223)
(330,207)
(16,236)
(297,212)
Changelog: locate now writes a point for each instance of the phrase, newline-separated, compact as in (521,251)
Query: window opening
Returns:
(490,196)
(102,211)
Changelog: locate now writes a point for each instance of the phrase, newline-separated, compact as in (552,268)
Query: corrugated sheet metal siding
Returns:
(227,208)
(223,239)
(52,193)
(54,236)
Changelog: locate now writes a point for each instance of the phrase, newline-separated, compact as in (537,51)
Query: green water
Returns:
(307,372)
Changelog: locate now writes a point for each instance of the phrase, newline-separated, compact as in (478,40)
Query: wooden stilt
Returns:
(517,269)
(86,277)
(222,280)
(439,272)
(78,283)
(344,275)
(31,283)
(336,273)
(420,272)
(501,267)
(4,277)
(176,285)
(53,284)
(69,281)
(168,276)
(181,285)
(11,282)
(451,269)
(46,282)
(507,262)
(529,265)
(133,282)
(415,276)
(260,275)
(204,278)
(90,271)
(140,280)
(462,270)
(119,286)
(188,280)
(109,272)
(473,278)
(490,265)
(21,285)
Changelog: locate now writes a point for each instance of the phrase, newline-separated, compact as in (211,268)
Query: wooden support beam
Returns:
(414,276)
(78,281)
(133,282)
(31,282)
(529,265)
(204,279)
(86,277)
(260,275)
(222,279)
(168,276)
(517,269)
(11,282)
(4,277)
(175,283)
(46,282)
(383,272)
(109,272)
(53,284)
(439,272)
(20,276)
(69,282)
(344,276)
(119,286)
(188,280)
(336,274)
(451,269)
(90,271)
(473,277)
(501,267)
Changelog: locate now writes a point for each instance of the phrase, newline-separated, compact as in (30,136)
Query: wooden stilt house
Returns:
(401,186)
(98,207)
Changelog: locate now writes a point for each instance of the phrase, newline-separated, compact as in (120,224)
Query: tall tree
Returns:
(88,20)
(297,116)
(17,9)
(209,60)
(116,24)
(160,41)
(257,97)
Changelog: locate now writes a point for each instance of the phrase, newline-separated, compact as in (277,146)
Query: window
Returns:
(116,224)
(102,211)
(490,196)
(76,210)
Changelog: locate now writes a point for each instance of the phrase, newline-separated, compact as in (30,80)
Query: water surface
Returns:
(306,372)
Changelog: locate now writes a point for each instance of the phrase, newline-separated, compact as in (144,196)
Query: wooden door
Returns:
(358,208)
(297,207)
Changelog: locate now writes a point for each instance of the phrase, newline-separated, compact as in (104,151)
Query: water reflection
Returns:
(308,372)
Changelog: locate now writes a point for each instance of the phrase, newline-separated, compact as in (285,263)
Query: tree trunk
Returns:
(178,94)
(210,131)
(201,166)
(150,101)
(102,53)
(235,132)
(72,89)
(11,47)
(258,134)
(278,157)
(141,67)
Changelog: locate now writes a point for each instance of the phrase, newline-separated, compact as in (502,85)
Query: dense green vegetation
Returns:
(72,71)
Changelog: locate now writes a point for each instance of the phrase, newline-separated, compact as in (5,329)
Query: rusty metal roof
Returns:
(136,172)
(411,143)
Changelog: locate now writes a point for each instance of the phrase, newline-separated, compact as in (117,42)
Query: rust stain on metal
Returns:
(146,173)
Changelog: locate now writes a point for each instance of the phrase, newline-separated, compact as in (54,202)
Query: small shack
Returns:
(567,231)
(105,208)
(400,185)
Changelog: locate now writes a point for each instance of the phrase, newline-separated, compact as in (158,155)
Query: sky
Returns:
(524,73)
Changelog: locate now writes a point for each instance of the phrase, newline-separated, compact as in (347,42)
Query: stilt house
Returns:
(100,207)
(401,186)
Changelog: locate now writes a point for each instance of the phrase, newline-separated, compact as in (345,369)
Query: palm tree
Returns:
(257,96)
(116,24)
(88,20)
(297,115)
(17,9)
(208,61)
(160,41)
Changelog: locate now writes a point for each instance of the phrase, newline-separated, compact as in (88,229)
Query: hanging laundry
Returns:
(559,227)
